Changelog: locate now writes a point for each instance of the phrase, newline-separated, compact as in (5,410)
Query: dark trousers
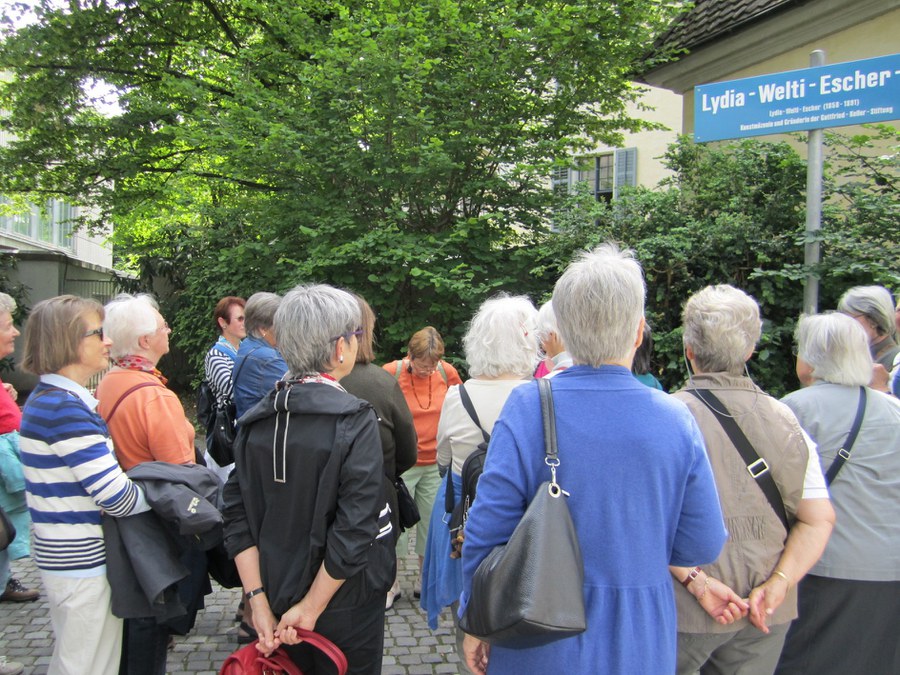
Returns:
(844,627)
(358,631)
(145,646)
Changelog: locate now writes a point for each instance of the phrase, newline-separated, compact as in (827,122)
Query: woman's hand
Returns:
(477,653)
(721,602)
(765,599)
(265,624)
(301,615)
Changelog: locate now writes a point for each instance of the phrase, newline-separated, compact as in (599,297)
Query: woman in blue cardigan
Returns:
(633,460)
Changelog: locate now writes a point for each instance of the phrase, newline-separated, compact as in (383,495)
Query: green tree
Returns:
(397,147)
(735,213)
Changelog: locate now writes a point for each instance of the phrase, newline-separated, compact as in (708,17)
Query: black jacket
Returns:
(307,489)
(147,554)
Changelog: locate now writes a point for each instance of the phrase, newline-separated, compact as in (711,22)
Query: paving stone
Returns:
(410,647)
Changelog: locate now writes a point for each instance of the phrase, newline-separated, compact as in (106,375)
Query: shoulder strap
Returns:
(238,371)
(548,415)
(470,408)
(844,453)
(440,369)
(130,391)
(757,467)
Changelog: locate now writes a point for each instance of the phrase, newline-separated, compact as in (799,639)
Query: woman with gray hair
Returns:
(147,423)
(307,519)
(556,358)
(851,597)
(632,460)
(500,350)
(772,493)
(873,308)
(258,365)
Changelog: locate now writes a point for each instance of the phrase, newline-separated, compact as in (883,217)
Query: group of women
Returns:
(656,483)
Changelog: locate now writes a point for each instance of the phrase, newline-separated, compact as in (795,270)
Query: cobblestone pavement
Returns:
(410,647)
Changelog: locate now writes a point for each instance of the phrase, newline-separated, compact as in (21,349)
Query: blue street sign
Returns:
(835,95)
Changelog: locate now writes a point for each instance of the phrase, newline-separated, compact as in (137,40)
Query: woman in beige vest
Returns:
(733,615)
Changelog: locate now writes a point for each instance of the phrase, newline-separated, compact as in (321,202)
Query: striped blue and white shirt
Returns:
(71,475)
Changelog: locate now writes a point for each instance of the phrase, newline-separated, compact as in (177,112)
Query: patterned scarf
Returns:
(135,362)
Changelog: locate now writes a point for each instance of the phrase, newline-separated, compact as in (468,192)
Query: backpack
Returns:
(472,469)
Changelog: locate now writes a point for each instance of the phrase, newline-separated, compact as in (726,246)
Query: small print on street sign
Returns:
(840,94)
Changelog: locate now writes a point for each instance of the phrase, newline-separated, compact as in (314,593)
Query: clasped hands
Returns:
(274,633)
(725,606)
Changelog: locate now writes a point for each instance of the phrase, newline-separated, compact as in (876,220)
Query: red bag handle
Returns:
(248,657)
(327,646)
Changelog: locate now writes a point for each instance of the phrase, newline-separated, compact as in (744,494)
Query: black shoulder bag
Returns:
(757,467)
(529,591)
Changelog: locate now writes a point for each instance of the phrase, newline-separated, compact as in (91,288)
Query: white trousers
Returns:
(88,636)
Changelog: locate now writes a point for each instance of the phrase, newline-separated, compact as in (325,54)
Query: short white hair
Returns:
(546,321)
(599,304)
(873,302)
(7,303)
(501,338)
(722,326)
(128,319)
(308,322)
(836,347)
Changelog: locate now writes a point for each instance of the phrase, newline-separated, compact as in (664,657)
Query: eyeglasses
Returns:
(347,336)
(97,331)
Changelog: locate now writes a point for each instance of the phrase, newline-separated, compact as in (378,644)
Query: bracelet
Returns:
(690,577)
(255,591)
(705,588)
(783,576)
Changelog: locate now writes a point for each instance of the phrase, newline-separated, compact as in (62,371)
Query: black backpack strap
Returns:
(757,467)
(467,404)
(844,453)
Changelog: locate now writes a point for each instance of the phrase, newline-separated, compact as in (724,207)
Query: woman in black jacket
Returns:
(307,519)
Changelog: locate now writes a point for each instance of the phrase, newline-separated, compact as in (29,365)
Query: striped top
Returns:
(218,365)
(71,475)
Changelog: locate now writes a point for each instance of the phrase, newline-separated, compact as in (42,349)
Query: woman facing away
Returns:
(424,378)
(307,519)
(850,600)
(258,365)
(72,476)
(774,537)
(633,461)
(500,348)
(395,423)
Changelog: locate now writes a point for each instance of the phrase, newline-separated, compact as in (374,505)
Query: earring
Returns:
(341,358)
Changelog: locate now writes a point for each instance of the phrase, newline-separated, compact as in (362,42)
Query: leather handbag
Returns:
(530,591)
(7,531)
(249,661)
(407,509)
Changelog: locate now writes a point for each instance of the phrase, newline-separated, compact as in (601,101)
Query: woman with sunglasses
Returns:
(72,475)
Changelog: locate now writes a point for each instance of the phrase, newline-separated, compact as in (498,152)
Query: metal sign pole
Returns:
(813,204)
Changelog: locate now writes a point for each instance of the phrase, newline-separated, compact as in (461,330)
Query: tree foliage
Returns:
(735,214)
(396,147)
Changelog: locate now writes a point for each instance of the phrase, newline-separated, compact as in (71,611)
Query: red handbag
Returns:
(249,661)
